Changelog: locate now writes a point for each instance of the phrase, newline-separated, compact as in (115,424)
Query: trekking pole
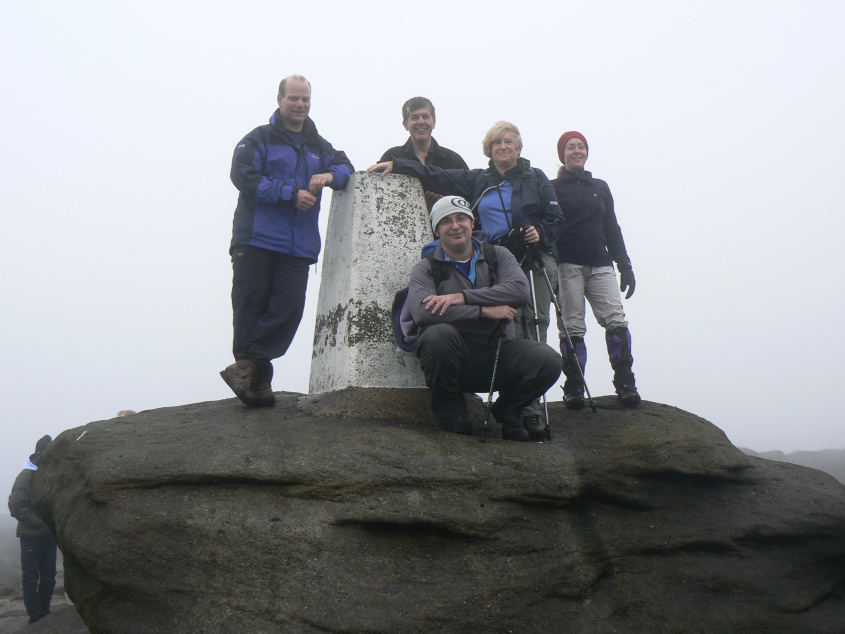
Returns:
(500,335)
(561,324)
(537,333)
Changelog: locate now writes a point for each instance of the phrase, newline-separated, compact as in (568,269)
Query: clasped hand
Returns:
(508,313)
(439,304)
(307,198)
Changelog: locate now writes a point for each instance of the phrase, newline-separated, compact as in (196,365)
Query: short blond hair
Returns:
(497,133)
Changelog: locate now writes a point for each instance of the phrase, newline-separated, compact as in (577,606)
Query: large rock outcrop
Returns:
(214,518)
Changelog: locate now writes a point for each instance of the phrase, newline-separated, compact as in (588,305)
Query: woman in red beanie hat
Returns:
(591,241)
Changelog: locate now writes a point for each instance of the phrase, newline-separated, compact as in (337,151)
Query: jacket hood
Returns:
(43,443)
(40,446)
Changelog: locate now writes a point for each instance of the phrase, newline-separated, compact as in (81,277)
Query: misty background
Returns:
(718,126)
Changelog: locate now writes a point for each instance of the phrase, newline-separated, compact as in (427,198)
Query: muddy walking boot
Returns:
(263,392)
(573,388)
(621,360)
(243,377)
(534,426)
(512,425)
(458,425)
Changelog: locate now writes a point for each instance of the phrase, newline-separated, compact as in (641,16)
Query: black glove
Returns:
(515,243)
(627,281)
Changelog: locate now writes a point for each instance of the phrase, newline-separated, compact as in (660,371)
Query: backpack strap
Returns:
(440,270)
(492,259)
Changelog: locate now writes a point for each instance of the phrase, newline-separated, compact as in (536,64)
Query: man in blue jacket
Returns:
(280,170)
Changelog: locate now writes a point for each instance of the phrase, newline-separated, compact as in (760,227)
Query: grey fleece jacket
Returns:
(511,289)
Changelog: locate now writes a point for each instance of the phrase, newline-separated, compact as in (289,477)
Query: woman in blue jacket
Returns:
(591,241)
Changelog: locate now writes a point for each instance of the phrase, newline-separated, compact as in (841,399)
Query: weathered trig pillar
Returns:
(377,228)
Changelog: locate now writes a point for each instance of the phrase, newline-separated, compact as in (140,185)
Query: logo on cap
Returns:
(457,201)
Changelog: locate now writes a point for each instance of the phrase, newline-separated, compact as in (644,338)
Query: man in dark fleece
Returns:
(419,120)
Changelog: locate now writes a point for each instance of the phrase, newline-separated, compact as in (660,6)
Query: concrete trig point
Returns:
(377,228)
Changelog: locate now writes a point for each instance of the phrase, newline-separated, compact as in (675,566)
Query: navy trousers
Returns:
(38,574)
(268,298)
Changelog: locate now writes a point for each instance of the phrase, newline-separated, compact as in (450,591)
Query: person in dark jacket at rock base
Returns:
(591,241)
(419,120)
(516,208)
(280,170)
(38,546)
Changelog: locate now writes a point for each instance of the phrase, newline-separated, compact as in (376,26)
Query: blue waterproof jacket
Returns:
(268,167)
(533,199)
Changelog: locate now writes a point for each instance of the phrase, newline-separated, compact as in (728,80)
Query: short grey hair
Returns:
(415,103)
(283,84)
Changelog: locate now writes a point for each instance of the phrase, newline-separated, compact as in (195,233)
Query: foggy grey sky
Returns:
(718,126)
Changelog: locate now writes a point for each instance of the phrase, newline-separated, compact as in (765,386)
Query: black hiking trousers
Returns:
(268,298)
(453,365)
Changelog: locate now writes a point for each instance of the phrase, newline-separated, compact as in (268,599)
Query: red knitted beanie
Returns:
(564,139)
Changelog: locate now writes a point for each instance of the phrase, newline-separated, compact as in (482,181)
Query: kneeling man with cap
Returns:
(460,318)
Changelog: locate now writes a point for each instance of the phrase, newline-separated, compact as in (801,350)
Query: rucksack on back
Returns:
(405,329)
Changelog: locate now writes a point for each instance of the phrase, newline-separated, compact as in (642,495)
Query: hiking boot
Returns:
(534,426)
(37,616)
(241,376)
(520,434)
(512,426)
(573,400)
(628,395)
(458,425)
(264,395)
(573,393)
